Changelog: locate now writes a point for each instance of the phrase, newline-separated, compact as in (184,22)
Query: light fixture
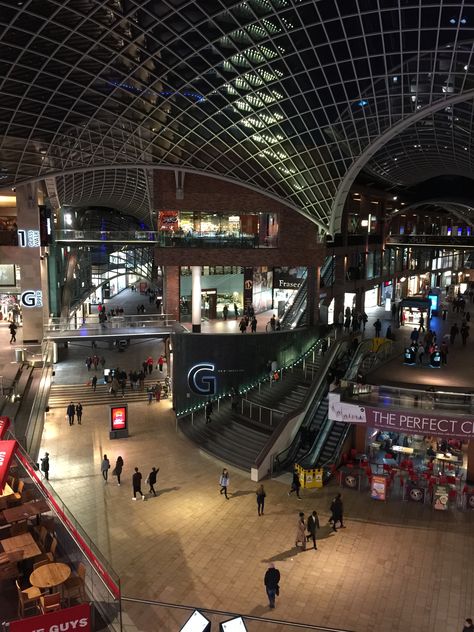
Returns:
(403,279)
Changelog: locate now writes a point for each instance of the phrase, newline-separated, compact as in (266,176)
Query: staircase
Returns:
(62,394)
(230,437)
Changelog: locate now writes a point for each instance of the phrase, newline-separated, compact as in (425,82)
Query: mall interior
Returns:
(235,268)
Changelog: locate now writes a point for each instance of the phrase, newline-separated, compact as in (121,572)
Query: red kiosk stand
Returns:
(118,421)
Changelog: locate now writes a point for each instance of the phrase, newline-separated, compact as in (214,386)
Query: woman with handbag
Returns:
(117,471)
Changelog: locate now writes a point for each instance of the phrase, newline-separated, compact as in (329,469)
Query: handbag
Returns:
(277,590)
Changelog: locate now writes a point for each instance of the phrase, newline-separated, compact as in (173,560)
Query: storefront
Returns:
(190,227)
(411,310)
(286,283)
(220,286)
(371,297)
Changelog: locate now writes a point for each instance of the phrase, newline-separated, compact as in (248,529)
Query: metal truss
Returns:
(286,96)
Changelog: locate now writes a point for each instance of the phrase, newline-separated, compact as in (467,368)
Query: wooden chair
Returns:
(27,598)
(15,499)
(18,528)
(40,533)
(44,557)
(50,603)
(53,547)
(41,563)
(75,586)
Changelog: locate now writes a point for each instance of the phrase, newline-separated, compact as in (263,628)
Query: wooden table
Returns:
(50,575)
(25,511)
(23,544)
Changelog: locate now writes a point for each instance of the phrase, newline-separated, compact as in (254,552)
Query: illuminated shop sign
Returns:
(202,379)
(29,238)
(31,298)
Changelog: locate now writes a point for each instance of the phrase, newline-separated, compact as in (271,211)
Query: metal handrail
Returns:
(227,615)
(113,322)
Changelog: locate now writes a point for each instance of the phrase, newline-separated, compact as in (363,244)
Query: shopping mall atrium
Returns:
(236,236)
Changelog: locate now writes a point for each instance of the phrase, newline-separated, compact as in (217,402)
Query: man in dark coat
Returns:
(137,484)
(152,479)
(71,411)
(312,525)
(295,484)
(271,581)
(337,512)
(45,465)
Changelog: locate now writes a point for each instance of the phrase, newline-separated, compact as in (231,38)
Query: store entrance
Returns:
(209,303)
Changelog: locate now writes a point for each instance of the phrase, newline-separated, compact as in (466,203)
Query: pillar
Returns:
(470,461)
(34,265)
(339,284)
(359,438)
(313,296)
(196,299)
(171,291)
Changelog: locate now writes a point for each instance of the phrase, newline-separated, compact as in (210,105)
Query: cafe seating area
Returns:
(421,470)
(32,564)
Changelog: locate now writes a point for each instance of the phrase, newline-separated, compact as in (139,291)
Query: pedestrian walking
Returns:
(45,465)
(421,322)
(208,410)
(273,322)
(468,625)
(378,328)
(137,484)
(253,325)
(243,325)
(149,363)
(88,363)
(260,499)
(161,362)
(79,412)
(464,333)
(225,312)
(151,480)
(94,382)
(301,531)
(295,485)
(271,581)
(453,333)
(105,467)
(236,311)
(312,525)
(12,327)
(150,394)
(70,412)
(337,512)
(117,471)
(224,482)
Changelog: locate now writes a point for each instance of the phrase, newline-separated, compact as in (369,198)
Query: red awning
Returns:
(7,450)
(4,425)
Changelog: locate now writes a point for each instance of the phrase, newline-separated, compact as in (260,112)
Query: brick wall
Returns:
(297,240)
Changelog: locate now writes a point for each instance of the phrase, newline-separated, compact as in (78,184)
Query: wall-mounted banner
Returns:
(421,422)
(7,450)
(77,618)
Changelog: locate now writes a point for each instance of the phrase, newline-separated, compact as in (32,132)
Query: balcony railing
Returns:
(166,239)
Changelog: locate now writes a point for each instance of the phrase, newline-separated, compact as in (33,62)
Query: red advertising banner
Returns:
(421,422)
(168,220)
(7,450)
(118,417)
(77,619)
(4,425)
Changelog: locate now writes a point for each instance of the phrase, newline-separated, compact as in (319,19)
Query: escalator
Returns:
(328,269)
(327,445)
(316,414)
(295,311)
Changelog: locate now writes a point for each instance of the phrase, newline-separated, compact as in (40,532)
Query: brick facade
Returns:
(298,243)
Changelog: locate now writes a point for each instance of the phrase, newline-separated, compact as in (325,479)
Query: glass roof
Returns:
(294,97)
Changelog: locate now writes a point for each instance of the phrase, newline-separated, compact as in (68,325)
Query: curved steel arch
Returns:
(373,148)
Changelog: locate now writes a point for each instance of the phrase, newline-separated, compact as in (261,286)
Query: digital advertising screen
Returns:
(118,417)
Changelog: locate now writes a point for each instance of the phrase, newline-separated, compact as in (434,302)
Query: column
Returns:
(339,284)
(196,299)
(470,461)
(34,269)
(312,303)
(171,292)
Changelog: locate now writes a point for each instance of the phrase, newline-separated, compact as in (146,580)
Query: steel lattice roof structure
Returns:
(292,97)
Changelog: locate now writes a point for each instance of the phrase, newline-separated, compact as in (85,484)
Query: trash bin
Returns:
(19,355)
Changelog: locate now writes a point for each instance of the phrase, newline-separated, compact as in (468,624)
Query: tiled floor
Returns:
(396,567)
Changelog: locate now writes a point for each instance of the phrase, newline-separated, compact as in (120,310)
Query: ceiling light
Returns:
(362,103)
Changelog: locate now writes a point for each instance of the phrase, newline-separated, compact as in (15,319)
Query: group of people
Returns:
(136,476)
(352,319)
(72,411)
(455,330)
(94,361)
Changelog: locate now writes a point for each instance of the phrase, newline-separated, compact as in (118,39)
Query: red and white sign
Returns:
(7,450)
(75,619)
(4,425)
(424,422)
(118,418)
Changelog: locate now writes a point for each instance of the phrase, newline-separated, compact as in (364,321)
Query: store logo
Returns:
(248,285)
(32,298)
(29,238)
(202,379)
